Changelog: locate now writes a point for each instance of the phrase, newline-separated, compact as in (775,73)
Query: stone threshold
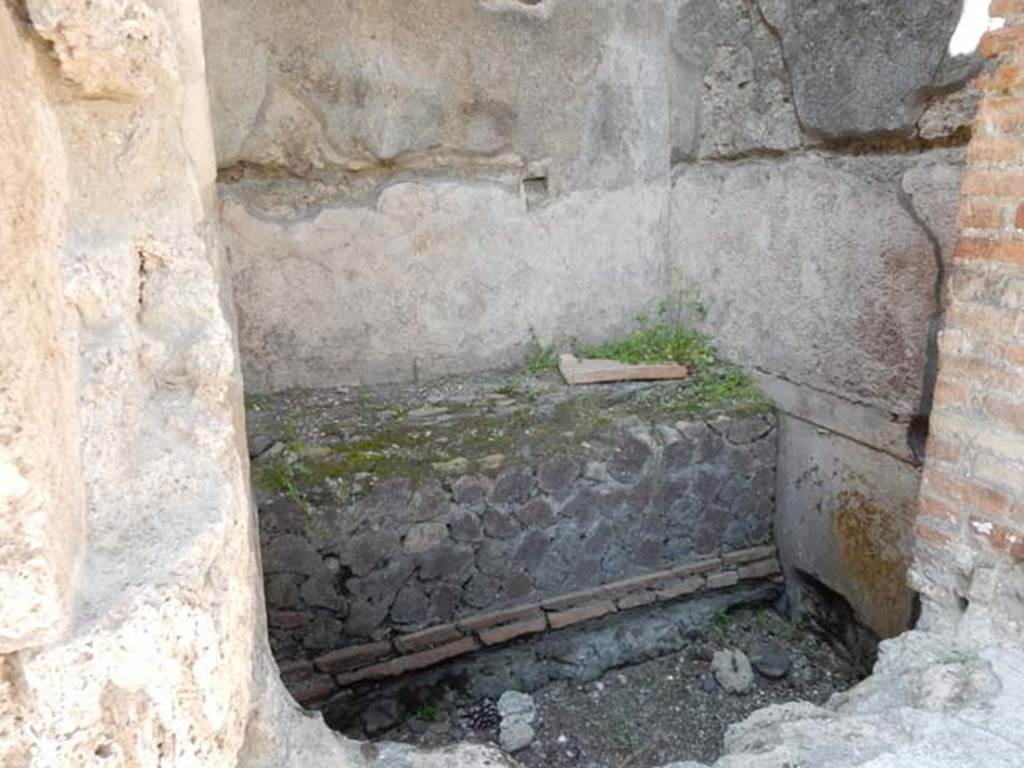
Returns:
(371,662)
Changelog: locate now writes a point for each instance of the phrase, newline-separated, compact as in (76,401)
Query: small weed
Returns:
(257,403)
(791,630)
(720,621)
(427,713)
(539,357)
(761,622)
(286,473)
(669,337)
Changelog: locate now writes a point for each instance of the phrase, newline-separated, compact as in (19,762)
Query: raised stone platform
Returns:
(403,526)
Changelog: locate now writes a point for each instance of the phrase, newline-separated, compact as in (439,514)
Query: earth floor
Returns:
(656,712)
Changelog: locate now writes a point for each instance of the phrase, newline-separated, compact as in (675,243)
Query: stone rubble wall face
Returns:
(970,528)
(408,559)
(316,682)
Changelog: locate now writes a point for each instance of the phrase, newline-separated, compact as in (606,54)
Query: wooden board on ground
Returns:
(576,371)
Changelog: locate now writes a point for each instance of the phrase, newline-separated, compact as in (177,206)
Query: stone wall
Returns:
(41,506)
(388,513)
(970,532)
(412,189)
(815,215)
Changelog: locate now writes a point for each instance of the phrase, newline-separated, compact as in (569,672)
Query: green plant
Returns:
(762,620)
(286,473)
(427,713)
(539,357)
(667,337)
(257,402)
(791,630)
(720,621)
(670,336)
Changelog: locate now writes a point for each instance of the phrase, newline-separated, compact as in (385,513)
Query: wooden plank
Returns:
(576,371)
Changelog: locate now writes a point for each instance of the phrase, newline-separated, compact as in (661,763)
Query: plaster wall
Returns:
(412,189)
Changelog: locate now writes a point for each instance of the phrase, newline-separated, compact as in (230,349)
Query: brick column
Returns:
(969,553)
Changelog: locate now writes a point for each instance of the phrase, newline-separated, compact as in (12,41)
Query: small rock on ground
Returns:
(516,703)
(770,660)
(517,712)
(516,734)
(733,672)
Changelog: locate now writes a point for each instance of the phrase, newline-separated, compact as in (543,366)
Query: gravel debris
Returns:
(660,711)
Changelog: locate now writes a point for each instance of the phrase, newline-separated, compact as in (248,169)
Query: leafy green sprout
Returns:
(670,336)
(720,622)
(540,357)
(257,402)
(287,471)
(426,714)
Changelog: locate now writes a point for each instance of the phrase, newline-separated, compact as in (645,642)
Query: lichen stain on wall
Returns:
(873,543)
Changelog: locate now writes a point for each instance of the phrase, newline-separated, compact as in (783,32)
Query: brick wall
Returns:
(969,559)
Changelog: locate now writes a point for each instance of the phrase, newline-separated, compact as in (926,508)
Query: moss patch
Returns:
(713,386)
(342,442)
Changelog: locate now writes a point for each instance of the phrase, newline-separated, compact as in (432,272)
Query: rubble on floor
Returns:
(646,714)
(931,703)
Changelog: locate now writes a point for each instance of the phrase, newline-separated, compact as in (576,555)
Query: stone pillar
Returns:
(40,488)
(969,562)
(132,628)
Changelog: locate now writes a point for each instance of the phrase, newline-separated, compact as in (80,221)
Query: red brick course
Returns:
(428,638)
(410,663)
(581,613)
(508,632)
(356,656)
(427,647)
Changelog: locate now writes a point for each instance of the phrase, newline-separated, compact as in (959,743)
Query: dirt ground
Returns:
(660,711)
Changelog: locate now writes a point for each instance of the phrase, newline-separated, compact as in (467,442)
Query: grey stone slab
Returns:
(862,69)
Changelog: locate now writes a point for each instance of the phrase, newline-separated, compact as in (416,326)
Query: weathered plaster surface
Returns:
(435,189)
(810,270)
(437,277)
(572,86)
(848,522)
(823,273)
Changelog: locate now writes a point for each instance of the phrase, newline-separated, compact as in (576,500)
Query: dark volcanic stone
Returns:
(500,523)
(557,476)
(629,460)
(880,59)
(512,486)
(381,715)
(471,491)
(536,513)
(465,526)
(770,659)
(410,607)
